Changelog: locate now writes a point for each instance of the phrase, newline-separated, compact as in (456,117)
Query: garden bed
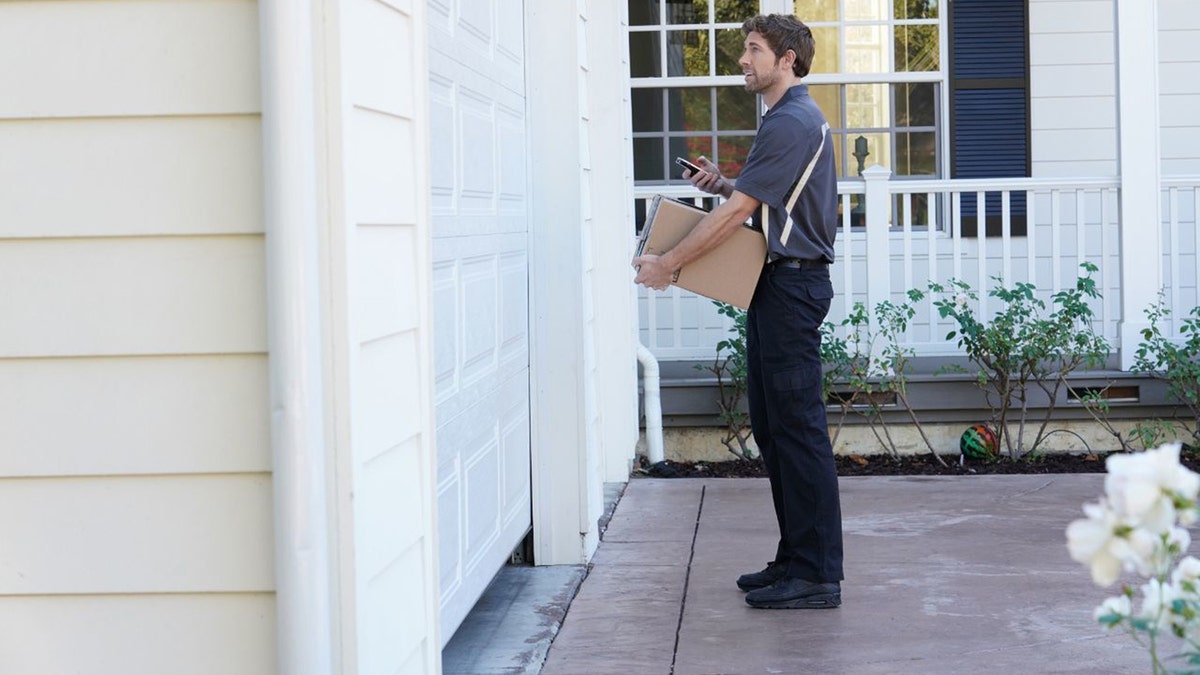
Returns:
(909,465)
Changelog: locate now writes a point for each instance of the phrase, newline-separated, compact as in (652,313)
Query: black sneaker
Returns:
(793,593)
(761,579)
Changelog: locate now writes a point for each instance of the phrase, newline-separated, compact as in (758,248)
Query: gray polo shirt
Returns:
(791,135)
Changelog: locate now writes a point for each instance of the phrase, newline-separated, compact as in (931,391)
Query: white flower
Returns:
(961,300)
(1097,542)
(1139,550)
(1118,605)
(1188,517)
(1143,486)
(1188,569)
(1157,600)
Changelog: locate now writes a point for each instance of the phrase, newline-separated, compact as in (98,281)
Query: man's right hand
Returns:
(710,179)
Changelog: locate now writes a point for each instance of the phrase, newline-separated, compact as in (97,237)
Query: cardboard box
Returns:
(728,273)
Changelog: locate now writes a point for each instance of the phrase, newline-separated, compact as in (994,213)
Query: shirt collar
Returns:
(792,92)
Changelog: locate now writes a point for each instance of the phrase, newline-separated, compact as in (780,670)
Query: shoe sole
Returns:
(819,601)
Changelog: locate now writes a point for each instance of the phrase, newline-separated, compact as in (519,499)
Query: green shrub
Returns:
(1175,362)
(1025,344)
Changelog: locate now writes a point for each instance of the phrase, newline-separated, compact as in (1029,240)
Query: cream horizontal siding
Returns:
(130,176)
(176,634)
(149,415)
(1072,93)
(135,493)
(119,296)
(157,534)
(1178,86)
(106,58)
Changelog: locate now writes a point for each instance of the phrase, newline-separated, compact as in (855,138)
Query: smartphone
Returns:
(688,165)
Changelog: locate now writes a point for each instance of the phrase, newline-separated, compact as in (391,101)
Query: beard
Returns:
(760,82)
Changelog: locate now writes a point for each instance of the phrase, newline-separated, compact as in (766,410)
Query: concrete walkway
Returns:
(943,575)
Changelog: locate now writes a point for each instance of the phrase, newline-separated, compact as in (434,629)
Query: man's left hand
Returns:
(652,273)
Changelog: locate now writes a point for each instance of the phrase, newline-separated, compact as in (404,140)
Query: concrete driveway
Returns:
(943,575)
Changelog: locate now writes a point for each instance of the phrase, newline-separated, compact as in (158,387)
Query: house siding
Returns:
(1178,86)
(1072,95)
(135,478)
(1073,80)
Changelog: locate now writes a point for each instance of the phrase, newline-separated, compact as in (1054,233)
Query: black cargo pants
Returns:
(787,416)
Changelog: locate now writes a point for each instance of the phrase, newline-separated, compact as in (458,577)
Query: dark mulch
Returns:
(884,465)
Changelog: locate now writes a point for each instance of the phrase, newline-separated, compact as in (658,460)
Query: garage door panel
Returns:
(514,307)
(442,144)
(449,530)
(445,328)
(510,135)
(480,288)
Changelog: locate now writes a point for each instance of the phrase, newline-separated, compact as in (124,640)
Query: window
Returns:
(688,99)
(926,88)
(877,76)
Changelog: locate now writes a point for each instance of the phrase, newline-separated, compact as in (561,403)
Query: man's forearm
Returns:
(713,229)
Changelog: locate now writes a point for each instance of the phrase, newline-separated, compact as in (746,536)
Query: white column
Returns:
(879,213)
(1139,165)
(612,213)
(556,277)
(302,569)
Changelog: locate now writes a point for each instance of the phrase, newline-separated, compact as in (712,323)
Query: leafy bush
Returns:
(874,363)
(1023,345)
(729,366)
(1177,363)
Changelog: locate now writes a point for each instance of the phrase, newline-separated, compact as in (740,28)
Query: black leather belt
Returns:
(799,263)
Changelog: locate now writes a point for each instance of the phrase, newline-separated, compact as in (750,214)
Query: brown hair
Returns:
(783,32)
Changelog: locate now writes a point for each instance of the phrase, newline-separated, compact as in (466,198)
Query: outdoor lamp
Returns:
(860,152)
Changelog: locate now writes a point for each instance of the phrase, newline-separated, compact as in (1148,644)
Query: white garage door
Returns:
(480,293)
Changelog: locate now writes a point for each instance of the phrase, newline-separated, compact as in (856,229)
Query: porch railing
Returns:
(1039,230)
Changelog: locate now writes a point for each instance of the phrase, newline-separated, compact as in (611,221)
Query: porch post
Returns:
(1139,165)
(559,421)
(879,214)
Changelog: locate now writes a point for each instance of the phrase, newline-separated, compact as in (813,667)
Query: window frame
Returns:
(941,77)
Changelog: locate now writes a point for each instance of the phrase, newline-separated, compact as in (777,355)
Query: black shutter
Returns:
(989,102)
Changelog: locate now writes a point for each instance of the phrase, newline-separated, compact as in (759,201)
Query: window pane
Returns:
(866,49)
(878,147)
(736,11)
(867,106)
(731,154)
(648,159)
(737,109)
(691,109)
(916,9)
(816,10)
(868,10)
(839,142)
(729,50)
(916,104)
(643,55)
(916,154)
(829,99)
(916,48)
(687,53)
(918,204)
(825,58)
(643,12)
(687,11)
(647,109)
(689,147)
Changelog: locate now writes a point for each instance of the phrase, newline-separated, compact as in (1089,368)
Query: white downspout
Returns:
(289,146)
(650,389)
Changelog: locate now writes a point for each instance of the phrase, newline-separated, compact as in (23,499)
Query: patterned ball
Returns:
(979,442)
